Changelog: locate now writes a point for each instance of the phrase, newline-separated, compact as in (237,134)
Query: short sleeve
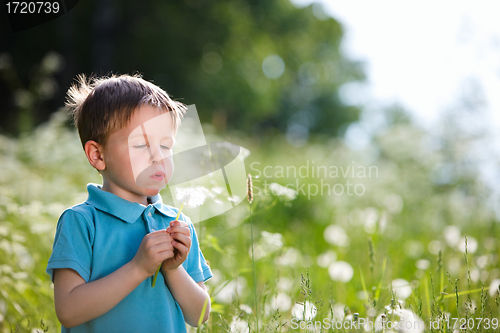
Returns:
(195,264)
(73,243)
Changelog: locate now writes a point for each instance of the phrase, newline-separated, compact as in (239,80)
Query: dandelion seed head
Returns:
(408,322)
(290,258)
(288,193)
(338,311)
(452,235)
(423,264)
(401,288)
(336,235)
(471,245)
(310,311)
(281,301)
(494,287)
(239,325)
(232,288)
(284,284)
(341,271)
(326,259)
(246,308)
(192,197)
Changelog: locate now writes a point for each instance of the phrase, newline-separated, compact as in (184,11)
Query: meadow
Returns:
(397,237)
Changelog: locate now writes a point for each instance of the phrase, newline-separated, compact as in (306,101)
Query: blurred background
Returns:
(398,100)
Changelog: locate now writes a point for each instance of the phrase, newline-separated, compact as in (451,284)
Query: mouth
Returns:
(158,176)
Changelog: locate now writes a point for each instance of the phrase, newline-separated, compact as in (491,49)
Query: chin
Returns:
(151,192)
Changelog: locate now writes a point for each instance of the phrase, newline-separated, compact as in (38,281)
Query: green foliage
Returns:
(399,228)
(208,53)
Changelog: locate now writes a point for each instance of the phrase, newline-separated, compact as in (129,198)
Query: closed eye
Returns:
(140,146)
(165,147)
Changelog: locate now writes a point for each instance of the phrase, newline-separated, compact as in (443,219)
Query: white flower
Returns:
(281,301)
(289,258)
(238,325)
(452,235)
(494,287)
(422,264)
(335,234)
(326,259)
(338,311)
(471,245)
(192,197)
(280,190)
(401,288)
(284,284)
(298,311)
(230,290)
(409,322)
(246,308)
(268,244)
(341,271)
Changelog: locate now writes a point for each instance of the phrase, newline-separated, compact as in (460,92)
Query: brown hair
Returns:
(101,105)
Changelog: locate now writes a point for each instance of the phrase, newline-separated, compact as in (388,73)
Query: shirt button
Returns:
(149,214)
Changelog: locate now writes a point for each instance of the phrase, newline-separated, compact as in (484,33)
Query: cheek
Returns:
(169,166)
(139,160)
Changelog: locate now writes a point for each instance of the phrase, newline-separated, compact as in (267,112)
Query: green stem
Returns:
(156,273)
(254,277)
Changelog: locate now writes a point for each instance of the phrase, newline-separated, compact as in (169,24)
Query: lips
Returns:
(160,175)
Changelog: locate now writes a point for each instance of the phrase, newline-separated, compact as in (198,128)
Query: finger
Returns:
(178,223)
(166,255)
(158,237)
(161,248)
(181,230)
(182,239)
(181,247)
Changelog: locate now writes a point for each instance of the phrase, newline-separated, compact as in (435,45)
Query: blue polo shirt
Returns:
(101,235)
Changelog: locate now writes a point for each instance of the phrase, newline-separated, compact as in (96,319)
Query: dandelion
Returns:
(336,235)
(192,197)
(246,308)
(326,259)
(401,288)
(309,313)
(408,322)
(239,325)
(494,287)
(281,301)
(280,190)
(340,271)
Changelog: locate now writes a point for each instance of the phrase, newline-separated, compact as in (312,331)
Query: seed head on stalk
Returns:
(249,188)
(250,199)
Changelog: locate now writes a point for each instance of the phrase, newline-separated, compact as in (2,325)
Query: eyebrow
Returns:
(144,135)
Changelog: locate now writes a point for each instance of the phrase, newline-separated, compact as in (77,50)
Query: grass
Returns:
(396,230)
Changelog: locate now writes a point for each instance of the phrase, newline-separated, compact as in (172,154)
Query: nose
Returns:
(156,155)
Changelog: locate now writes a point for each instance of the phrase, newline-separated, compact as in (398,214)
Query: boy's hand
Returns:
(154,249)
(180,233)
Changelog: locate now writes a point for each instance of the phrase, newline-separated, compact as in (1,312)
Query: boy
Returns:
(107,249)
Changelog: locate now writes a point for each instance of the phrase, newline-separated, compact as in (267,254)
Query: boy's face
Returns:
(138,157)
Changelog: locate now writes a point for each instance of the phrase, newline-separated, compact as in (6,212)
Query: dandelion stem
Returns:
(158,270)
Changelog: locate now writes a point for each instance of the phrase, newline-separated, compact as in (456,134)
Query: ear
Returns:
(94,153)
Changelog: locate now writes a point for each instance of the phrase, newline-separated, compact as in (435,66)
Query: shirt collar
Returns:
(123,209)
